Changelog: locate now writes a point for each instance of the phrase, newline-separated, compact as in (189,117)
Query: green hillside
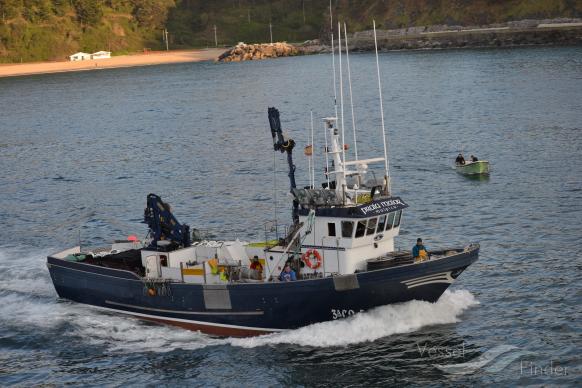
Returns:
(35,30)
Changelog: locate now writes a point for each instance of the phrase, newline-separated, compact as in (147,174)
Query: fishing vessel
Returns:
(336,259)
(479,167)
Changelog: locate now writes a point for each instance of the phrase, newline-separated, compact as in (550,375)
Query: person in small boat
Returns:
(474,158)
(419,251)
(460,159)
(288,275)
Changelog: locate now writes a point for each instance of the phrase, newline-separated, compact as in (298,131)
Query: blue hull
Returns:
(242,309)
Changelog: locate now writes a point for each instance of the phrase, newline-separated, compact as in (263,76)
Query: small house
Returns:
(101,55)
(80,56)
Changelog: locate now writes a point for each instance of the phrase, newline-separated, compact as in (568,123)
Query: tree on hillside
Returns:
(9,8)
(37,10)
(152,13)
(88,11)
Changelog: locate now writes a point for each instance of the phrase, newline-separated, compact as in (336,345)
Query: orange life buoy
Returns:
(309,256)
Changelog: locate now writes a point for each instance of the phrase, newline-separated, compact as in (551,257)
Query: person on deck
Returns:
(257,266)
(474,158)
(419,251)
(288,275)
(460,159)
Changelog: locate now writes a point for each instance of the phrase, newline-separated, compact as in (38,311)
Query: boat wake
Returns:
(28,302)
(371,325)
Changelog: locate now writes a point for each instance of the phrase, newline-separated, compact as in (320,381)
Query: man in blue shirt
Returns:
(288,275)
(419,251)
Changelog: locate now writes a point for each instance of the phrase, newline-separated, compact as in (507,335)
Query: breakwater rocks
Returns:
(253,52)
(511,34)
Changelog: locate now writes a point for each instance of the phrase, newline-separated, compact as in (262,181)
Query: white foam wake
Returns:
(371,325)
(24,271)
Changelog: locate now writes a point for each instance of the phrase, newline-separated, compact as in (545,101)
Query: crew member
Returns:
(288,275)
(257,266)
(419,251)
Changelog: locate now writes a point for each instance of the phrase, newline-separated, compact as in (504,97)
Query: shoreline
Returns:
(488,37)
(413,39)
(132,60)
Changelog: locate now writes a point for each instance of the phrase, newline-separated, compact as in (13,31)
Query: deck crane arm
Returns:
(163,224)
(284,146)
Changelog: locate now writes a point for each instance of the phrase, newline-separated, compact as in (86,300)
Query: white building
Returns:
(80,56)
(101,55)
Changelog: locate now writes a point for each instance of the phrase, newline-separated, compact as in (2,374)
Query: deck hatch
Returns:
(217,297)
(347,282)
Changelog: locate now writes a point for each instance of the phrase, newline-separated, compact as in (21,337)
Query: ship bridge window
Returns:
(390,221)
(397,218)
(331,229)
(371,226)
(381,224)
(347,229)
(360,228)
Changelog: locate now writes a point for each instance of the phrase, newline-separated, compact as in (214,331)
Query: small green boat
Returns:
(480,167)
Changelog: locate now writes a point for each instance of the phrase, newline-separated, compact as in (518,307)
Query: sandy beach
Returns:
(155,58)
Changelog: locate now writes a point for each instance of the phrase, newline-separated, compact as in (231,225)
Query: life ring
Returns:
(309,256)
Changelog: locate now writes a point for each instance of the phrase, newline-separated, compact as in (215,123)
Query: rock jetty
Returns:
(254,52)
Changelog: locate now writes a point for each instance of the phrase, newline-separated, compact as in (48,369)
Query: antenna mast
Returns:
(312,154)
(351,97)
(309,144)
(326,155)
(333,59)
(386,169)
(343,144)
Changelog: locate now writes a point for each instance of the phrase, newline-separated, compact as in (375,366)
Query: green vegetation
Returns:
(35,30)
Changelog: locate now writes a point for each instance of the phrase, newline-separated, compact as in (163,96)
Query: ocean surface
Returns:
(79,152)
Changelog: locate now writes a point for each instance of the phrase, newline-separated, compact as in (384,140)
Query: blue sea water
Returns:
(79,152)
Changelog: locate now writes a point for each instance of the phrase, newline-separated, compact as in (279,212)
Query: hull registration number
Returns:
(338,314)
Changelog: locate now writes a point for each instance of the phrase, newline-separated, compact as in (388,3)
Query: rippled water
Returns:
(79,152)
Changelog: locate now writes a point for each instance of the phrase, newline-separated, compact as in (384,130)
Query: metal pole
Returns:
(215,37)
(309,157)
(333,61)
(326,154)
(339,47)
(167,45)
(386,167)
(271,31)
(312,154)
(351,97)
